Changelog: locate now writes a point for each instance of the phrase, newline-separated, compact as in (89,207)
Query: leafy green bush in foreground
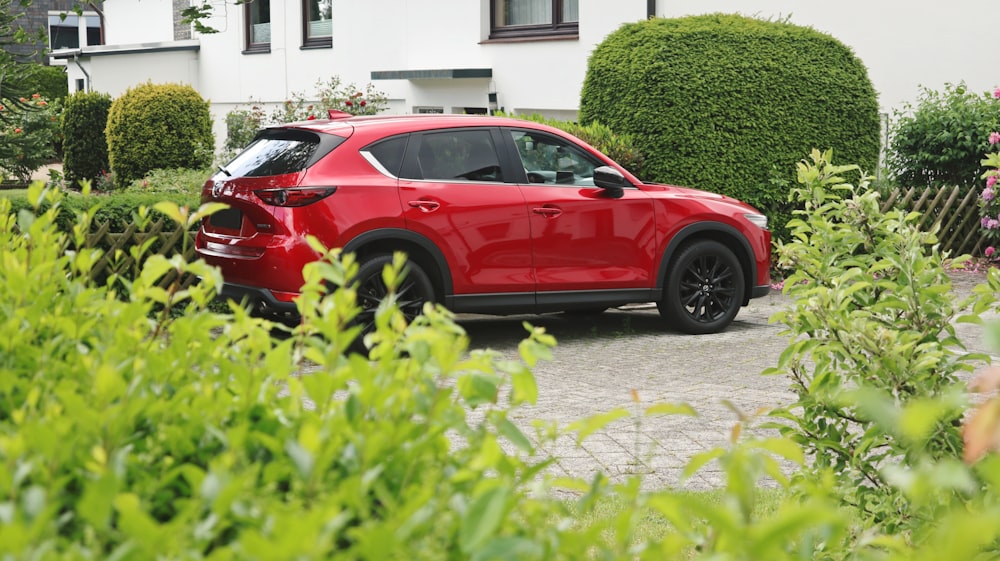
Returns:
(147,427)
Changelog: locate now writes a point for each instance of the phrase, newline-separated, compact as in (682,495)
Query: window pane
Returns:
(64,33)
(552,160)
(459,155)
(273,156)
(570,10)
(524,12)
(320,23)
(260,21)
(389,153)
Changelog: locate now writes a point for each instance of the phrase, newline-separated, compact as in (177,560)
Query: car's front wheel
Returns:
(704,288)
(414,289)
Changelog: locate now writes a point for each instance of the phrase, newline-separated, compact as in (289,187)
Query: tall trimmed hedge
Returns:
(730,103)
(85,147)
(158,126)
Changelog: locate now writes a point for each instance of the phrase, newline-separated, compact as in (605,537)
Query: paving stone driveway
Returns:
(600,360)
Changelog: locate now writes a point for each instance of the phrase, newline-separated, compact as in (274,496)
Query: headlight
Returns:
(758,219)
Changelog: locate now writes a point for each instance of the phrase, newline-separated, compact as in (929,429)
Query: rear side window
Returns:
(458,155)
(389,153)
(277,152)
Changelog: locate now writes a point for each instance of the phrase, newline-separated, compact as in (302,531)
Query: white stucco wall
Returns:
(138,21)
(904,44)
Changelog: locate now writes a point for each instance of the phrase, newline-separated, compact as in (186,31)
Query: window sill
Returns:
(258,50)
(321,43)
(530,38)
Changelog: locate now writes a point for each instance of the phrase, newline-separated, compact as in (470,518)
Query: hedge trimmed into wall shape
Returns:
(730,103)
(85,147)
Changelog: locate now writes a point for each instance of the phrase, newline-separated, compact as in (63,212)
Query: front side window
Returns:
(459,155)
(526,18)
(257,14)
(552,160)
(317,23)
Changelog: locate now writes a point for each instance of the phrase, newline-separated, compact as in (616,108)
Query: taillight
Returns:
(294,196)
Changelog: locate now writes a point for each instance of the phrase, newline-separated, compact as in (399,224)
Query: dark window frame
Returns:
(312,42)
(249,45)
(557,28)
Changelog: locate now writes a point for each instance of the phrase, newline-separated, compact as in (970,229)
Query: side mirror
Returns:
(611,180)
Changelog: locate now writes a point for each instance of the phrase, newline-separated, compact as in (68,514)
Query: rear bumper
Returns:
(260,299)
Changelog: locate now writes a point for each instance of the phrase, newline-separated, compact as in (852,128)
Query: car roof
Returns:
(403,123)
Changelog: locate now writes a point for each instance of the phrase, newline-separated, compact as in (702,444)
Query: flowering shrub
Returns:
(242,124)
(29,133)
(989,204)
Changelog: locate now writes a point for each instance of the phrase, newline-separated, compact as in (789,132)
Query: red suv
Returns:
(496,216)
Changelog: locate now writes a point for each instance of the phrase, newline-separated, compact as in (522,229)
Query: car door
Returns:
(453,192)
(583,237)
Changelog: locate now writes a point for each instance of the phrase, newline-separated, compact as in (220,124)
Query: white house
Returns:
(457,56)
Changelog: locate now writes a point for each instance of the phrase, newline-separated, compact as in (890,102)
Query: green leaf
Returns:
(483,518)
(670,409)
(514,434)
(586,427)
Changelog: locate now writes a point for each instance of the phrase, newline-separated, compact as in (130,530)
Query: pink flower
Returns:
(996,93)
(992,224)
(990,251)
(990,182)
(988,193)
(995,138)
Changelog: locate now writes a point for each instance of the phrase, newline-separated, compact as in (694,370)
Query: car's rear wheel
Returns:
(413,291)
(704,288)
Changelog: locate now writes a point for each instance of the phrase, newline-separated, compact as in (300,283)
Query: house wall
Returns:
(905,44)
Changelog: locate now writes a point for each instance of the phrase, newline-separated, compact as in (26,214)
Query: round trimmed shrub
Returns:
(85,147)
(731,104)
(158,126)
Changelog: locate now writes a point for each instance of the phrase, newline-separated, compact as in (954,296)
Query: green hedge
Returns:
(85,148)
(730,103)
(119,209)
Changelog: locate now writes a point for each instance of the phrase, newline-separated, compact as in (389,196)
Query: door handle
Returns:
(425,206)
(547,212)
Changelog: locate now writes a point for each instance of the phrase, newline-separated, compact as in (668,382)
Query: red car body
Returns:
(500,215)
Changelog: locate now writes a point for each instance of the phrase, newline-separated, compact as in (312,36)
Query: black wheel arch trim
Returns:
(697,230)
(390,234)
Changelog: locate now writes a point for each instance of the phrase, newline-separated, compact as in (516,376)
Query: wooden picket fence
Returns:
(117,246)
(954,210)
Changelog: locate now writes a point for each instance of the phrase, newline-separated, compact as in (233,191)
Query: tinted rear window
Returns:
(389,153)
(281,151)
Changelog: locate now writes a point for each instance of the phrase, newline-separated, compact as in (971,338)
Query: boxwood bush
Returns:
(85,146)
(730,103)
(153,126)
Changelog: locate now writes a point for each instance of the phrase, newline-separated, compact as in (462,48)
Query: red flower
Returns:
(17,130)
(363,103)
(23,100)
(310,117)
(42,103)
(348,103)
(35,96)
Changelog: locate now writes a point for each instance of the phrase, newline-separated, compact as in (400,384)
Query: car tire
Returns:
(414,290)
(704,290)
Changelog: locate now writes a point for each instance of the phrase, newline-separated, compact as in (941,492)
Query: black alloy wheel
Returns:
(413,291)
(704,289)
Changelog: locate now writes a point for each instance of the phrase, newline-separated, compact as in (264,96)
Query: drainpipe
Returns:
(650,9)
(76,59)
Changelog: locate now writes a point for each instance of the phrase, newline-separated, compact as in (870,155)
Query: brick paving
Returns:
(599,360)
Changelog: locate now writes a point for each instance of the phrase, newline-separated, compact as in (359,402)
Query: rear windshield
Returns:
(281,151)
